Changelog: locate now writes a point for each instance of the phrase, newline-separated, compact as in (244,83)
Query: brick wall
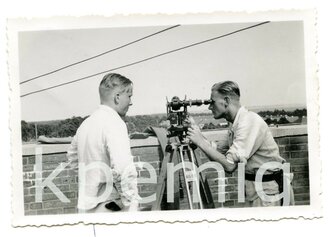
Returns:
(66,181)
(293,145)
(295,150)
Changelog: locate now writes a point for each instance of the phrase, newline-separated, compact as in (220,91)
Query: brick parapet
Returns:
(292,142)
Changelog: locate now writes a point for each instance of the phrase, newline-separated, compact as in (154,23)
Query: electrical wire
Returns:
(98,55)
(147,59)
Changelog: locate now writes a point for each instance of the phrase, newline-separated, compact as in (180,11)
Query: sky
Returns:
(267,62)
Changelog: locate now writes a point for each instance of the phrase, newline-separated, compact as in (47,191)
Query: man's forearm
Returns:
(128,186)
(216,156)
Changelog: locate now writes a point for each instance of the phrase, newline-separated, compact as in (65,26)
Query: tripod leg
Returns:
(206,193)
(185,177)
(204,186)
(196,186)
(176,204)
(161,181)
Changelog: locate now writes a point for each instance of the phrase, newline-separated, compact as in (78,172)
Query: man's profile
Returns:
(250,142)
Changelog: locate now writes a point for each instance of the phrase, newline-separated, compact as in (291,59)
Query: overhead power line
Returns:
(148,59)
(98,55)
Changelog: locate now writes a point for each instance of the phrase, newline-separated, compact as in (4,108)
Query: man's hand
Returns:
(194,133)
(134,206)
(195,136)
(191,122)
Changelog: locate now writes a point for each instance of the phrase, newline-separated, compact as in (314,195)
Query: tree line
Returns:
(68,127)
(277,112)
(138,123)
(62,128)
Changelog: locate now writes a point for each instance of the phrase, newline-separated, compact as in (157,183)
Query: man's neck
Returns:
(233,113)
(110,105)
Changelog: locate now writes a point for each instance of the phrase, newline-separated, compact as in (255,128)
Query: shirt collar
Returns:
(108,109)
(241,110)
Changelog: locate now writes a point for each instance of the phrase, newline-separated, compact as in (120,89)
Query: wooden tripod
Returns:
(182,157)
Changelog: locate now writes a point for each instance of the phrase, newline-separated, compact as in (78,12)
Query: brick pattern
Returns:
(152,155)
(294,149)
(66,182)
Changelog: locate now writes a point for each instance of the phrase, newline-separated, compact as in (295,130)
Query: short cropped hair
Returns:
(111,81)
(227,88)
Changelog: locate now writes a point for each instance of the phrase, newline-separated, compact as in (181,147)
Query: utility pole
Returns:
(36,131)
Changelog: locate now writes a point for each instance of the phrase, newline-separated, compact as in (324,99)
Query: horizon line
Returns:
(205,111)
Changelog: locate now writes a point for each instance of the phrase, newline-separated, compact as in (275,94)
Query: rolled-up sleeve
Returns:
(72,154)
(249,136)
(121,162)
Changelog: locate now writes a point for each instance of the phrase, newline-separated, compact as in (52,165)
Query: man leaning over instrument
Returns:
(250,142)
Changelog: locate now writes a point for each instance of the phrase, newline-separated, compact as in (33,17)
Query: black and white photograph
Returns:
(164,118)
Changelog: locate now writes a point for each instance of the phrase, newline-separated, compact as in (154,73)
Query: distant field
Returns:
(68,127)
(206,119)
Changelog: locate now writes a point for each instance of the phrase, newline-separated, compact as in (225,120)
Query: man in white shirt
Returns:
(101,146)
(250,142)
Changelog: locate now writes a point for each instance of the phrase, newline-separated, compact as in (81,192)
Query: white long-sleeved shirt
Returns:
(103,139)
(251,142)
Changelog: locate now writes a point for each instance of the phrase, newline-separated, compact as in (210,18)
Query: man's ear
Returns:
(227,100)
(116,98)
